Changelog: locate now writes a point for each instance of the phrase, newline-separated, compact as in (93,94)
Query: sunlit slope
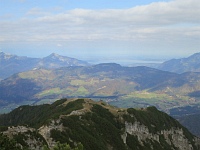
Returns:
(112,82)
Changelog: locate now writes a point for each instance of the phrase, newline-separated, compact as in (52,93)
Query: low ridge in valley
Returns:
(121,86)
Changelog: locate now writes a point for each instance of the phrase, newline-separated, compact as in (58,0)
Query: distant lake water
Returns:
(128,62)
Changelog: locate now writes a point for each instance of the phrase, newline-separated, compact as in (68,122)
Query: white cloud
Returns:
(59,45)
(2,39)
(157,22)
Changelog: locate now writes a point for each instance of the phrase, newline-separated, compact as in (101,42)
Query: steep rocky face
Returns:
(174,137)
(45,131)
(98,126)
(26,137)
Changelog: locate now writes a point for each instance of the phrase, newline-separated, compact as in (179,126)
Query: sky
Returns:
(101,29)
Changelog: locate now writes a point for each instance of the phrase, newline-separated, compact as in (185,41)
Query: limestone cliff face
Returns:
(100,126)
(27,135)
(139,130)
(45,131)
(174,136)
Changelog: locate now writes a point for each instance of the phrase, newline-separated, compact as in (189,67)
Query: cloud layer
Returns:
(165,22)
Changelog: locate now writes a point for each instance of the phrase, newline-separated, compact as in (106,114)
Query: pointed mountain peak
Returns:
(4,55)
(54,54)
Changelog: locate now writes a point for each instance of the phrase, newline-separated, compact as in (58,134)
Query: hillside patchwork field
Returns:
(120,86)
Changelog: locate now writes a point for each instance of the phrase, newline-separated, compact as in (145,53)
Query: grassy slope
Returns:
(139,86)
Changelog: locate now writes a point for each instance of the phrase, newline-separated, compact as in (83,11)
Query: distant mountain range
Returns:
(96,125)
(121,86)
(175,90)
(189,64)
(11,64)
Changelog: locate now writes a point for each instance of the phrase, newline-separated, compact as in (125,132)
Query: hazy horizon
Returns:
(122,60)
(149,29)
